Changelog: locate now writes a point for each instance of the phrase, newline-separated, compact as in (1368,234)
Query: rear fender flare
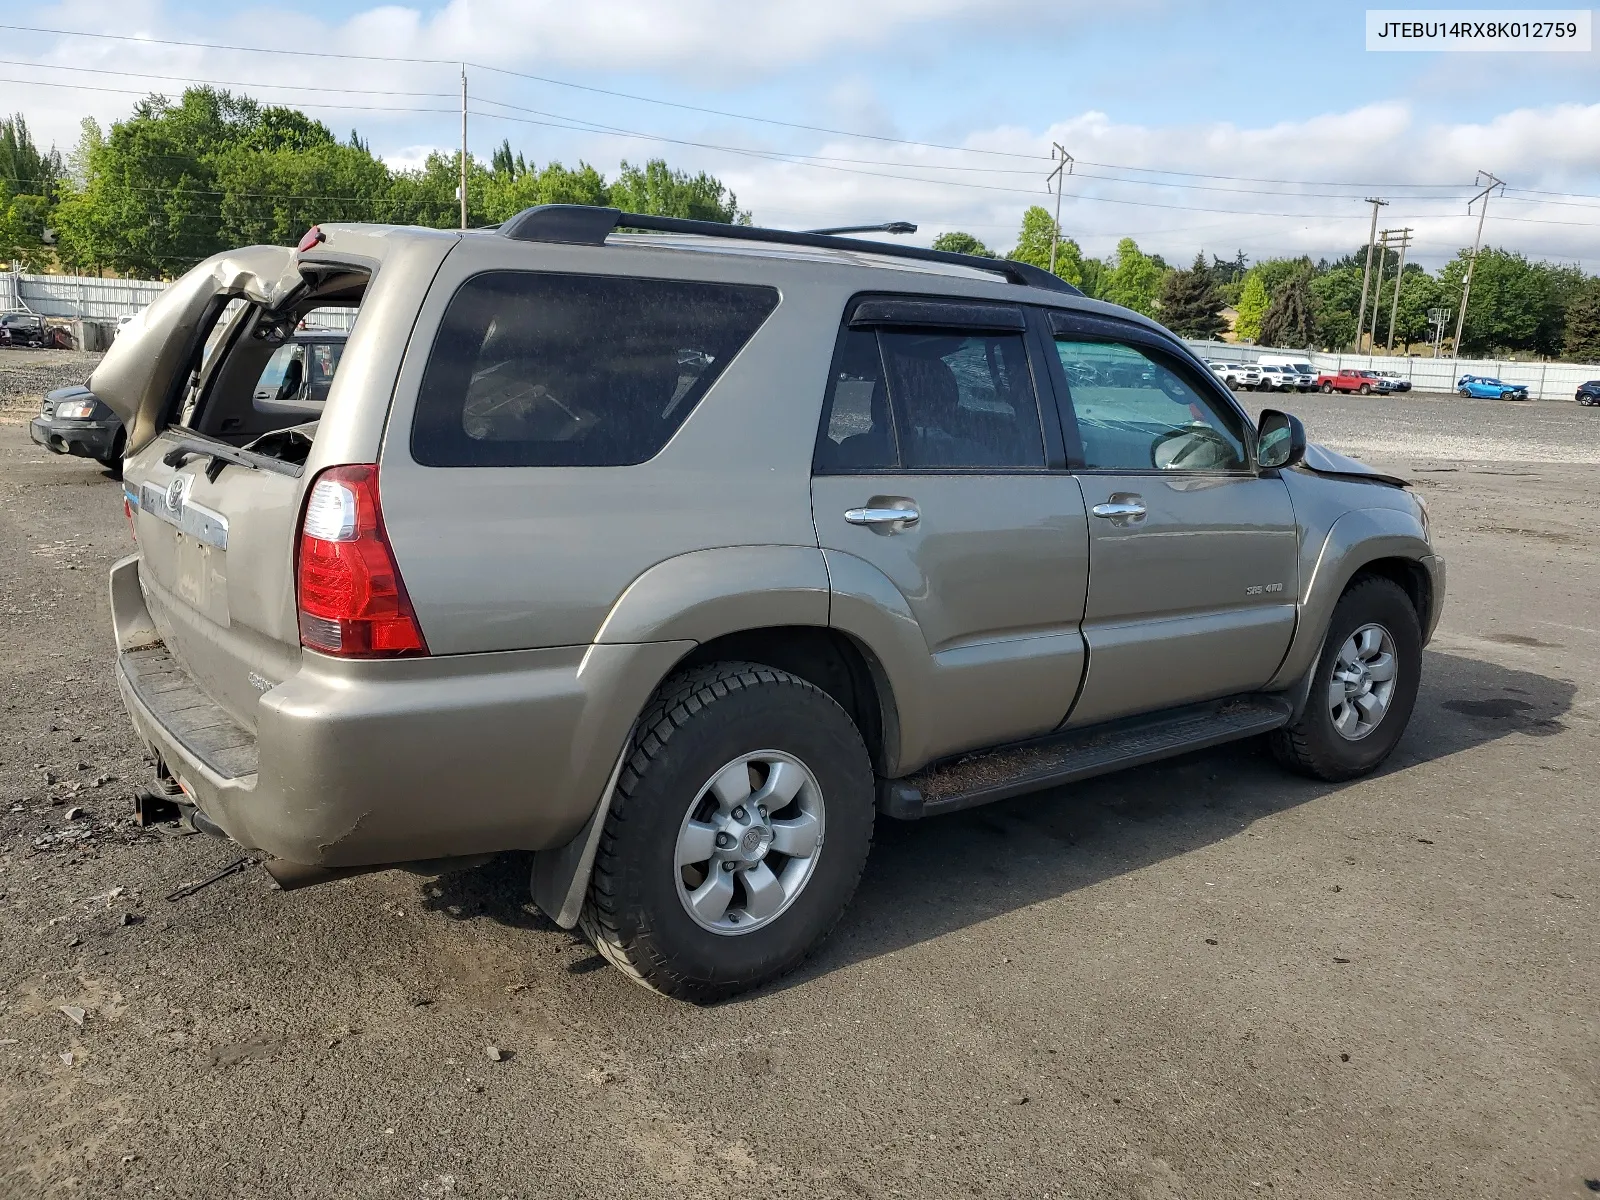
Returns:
(1354,540)
(708,593)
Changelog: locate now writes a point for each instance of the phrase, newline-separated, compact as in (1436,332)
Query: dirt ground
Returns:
(1204,978)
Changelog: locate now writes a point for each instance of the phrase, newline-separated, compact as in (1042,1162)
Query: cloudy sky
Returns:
(1223,126)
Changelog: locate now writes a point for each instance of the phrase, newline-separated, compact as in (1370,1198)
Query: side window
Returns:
(1136,414)
(857,434)
(962,400)
(324,361)
(276,370)
(537,369)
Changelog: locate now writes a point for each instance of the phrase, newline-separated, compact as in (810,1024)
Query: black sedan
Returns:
(22,329)
(1589,393)
(73,420)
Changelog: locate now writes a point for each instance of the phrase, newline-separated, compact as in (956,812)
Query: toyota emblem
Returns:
(175,491)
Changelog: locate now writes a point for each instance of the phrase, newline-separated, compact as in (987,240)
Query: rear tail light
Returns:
(352,600)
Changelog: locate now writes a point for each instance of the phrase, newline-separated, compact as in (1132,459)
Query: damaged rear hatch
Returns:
(223,412)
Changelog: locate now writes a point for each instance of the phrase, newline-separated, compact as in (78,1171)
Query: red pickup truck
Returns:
(1364,382)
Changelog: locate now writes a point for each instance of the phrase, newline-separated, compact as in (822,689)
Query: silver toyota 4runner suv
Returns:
(678,556)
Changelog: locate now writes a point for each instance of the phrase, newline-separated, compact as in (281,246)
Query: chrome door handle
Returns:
(1127,509)
(882,516)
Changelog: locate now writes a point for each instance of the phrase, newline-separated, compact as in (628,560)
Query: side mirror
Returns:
(1280,439)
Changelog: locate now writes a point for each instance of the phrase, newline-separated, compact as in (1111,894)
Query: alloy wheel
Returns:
(1363,680)
(749,842)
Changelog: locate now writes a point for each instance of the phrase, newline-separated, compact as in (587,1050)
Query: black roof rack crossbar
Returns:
(578,224)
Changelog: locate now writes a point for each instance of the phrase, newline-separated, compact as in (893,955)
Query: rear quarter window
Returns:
(535,369)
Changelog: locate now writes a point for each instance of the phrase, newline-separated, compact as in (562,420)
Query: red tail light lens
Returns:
(352,600)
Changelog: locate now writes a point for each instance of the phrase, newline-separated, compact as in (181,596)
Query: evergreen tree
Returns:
(1290,319)
(1252,308)
(1190,304)
(1583,324)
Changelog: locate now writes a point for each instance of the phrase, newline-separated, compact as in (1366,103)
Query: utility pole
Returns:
(1399,275)
(463,145)
(1438,318)
(1377,292)
(1066,163)
(1466,286)
(1366,273)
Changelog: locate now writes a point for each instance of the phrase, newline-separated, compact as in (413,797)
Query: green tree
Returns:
(1581,338)
(1511,303)
(658,190)
(29,182)
(957,242)
(1094,277)
(1252,308)
(1335,297)
(1190,305)
(1034,240)
(1135,281)
(1290,319)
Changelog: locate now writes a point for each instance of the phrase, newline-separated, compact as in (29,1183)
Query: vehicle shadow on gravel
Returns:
(931,877)
(927,878)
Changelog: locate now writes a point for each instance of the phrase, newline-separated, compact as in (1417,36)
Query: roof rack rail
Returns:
(582,225)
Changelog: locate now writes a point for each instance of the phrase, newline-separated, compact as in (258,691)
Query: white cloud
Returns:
(1379,149)
(1374,147)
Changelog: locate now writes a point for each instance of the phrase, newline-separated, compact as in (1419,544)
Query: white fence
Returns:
(1544,380)
(84,297)
(80,296)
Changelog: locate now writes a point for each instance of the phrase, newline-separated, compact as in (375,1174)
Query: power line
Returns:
(87,87)
(635,97)
(223,83)
(148,41)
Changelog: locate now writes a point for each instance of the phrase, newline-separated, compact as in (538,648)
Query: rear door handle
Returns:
(882,516)
(1122,508)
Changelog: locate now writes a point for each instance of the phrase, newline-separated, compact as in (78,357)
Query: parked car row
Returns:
(1275,373)
(1268,375)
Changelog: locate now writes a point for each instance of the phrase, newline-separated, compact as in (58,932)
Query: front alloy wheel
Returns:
(1362,684)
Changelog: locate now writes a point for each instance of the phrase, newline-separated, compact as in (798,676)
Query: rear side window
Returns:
(547,370)
(932,399)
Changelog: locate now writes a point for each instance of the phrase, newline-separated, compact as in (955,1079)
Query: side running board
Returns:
(989,775)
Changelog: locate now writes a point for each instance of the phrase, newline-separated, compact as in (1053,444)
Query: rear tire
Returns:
(1327,389)
(641,912)
(1314,745)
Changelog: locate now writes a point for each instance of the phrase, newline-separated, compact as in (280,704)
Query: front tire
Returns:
(713,875)
(1364,686)
(1366,389)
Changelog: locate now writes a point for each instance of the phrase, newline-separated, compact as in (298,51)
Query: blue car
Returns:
(1486,388)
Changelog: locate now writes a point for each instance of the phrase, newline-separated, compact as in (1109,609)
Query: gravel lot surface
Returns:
(1200,979)
(25,375)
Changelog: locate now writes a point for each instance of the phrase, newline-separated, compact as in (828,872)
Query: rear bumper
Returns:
(85,439)
(366,763)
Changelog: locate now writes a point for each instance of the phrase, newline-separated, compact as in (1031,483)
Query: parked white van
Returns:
(1294,364)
